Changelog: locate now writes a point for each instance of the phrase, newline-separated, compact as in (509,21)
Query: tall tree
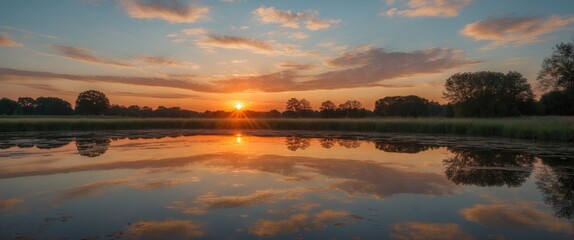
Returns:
(9,107)
(28,105)
(53,106)
(292,105)
(557,71)
(489,94)
(328,109)
(92,102)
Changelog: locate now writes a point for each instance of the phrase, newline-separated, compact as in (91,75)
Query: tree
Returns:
(407,106)
(292,105)
(558,103)
(53,106)
(328,109)
(489,94)
(28,105)
(557,71)
(351,108)
(9,107)
(92,102)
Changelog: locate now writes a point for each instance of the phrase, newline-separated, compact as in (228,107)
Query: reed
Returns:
(532,128)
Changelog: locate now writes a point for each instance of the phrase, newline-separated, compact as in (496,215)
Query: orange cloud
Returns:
(173,11)
(288,19)
(168,229)
(262,196)
(359,69)
(233,42)
(85,55)
(429,8)
(165,61)
(517,214)
(6,41)
(418,230)
(298,66)
(516,31)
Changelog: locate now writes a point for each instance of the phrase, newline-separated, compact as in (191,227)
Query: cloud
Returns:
(288,19)
(165,183)
(85,55)
(359,69)
(173,11)
(515,31)
(194,31)
(152,95)
(6,41)
(233,42)
(297,66)
(428,8)
(517,214)
(418,230)
(168,229)
(165,61)
(297,35)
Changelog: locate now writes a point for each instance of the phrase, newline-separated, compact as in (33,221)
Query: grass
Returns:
(532,128)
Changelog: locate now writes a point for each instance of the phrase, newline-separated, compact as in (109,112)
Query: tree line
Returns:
(469,94)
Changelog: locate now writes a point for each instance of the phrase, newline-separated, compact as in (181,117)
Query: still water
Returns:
(224,185)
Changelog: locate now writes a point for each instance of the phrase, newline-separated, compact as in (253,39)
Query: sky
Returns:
(210,55)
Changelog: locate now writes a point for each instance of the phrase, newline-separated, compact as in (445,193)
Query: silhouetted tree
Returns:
(328,109)
(489,94)
(403,146)
(92,102)
(352,109)
(9,107)
(28,105)
(53,106)
(558,103)
(407,106)
(327,142)
(557,71)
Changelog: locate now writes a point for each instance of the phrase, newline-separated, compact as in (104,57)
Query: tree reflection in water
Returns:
(403,147)
(295,143)
(487,168)
(92,146)
(556,182)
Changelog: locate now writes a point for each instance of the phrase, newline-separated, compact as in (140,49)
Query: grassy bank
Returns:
(533,128)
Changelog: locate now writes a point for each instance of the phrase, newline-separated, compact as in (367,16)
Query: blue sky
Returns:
(204,55)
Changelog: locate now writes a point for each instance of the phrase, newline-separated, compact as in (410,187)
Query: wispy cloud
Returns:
(173,11)
(358,69)
(166,61)
(251,44)
(296,222)
(288,19)
(8,203)
(297,66)
(90,189)
(6,41)
(85,55)
(428,8)
(515,31)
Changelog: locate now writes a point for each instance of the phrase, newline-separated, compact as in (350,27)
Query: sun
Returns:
(238,106)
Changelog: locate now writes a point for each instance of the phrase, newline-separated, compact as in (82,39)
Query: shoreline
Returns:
(560,129)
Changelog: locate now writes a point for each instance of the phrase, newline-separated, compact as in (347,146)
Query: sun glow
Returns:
(238,106)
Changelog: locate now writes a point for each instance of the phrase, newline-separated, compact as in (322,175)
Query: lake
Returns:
(309,185)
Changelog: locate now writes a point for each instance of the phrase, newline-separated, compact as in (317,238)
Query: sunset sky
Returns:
(209,55)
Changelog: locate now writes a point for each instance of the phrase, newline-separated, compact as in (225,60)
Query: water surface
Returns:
(187,184)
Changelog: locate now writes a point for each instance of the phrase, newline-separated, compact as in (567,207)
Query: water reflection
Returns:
(296,143)
(488,168)
(403,147)
(92,146)
(286,187)
(556,182)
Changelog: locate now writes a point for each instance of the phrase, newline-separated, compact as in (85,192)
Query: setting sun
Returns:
(238,106)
